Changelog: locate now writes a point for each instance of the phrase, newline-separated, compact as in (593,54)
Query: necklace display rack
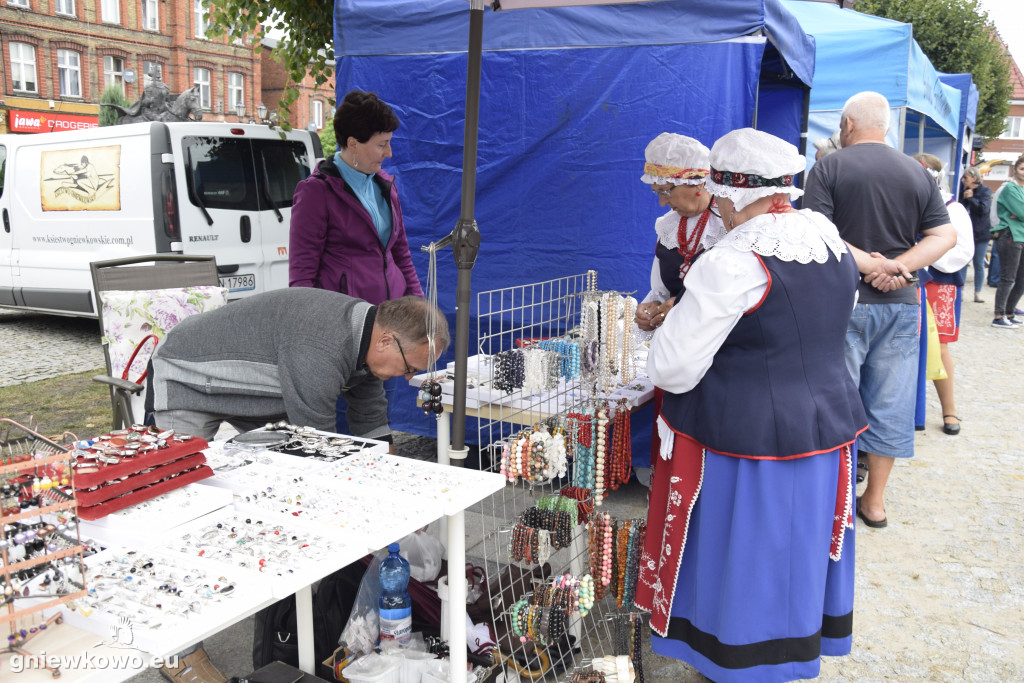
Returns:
(38,525)
(594,367)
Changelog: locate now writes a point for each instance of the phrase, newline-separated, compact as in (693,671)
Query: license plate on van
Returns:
(238,283)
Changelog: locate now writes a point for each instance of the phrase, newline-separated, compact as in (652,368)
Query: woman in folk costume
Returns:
(747,567)
(675,168)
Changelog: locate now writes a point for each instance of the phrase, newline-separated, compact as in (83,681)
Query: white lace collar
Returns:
(667,228)
(803,236)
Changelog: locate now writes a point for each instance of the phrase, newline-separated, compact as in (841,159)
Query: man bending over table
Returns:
(288,354)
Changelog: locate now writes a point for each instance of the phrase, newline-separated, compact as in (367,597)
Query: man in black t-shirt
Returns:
(890,212)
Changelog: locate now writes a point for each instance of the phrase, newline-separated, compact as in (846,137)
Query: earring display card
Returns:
(161,602)
(279,550)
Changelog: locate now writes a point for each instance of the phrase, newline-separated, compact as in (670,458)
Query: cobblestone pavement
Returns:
(36,346)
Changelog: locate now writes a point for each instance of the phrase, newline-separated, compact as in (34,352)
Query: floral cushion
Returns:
(129,316)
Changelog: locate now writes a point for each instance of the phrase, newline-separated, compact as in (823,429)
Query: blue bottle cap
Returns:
(393,548)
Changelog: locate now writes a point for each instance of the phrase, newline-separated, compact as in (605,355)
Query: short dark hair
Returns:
(407,318)
(362,115)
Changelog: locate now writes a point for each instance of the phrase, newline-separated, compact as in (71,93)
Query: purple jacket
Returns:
(333,243)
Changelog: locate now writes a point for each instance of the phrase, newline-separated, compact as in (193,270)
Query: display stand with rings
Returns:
(40,547)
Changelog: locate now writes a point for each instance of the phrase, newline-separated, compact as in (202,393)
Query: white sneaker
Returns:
(1004,323)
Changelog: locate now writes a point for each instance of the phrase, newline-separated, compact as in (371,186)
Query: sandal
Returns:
(194,667)
(862,471)
(951,428)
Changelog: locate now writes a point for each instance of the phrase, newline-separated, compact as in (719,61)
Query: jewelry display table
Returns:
(255,539)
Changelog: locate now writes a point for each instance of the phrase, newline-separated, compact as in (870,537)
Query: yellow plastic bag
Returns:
(934,368)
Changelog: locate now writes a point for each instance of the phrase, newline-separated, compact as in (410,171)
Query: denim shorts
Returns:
(882,349)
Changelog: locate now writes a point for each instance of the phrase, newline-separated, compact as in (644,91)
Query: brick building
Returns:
(1001,152)
(313,105)
(57,56)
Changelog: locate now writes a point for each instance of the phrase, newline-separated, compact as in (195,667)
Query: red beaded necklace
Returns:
(689,247)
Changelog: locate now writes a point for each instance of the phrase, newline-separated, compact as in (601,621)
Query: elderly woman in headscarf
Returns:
(747,567)
(675,169)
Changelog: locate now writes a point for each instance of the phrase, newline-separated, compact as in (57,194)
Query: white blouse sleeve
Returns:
(658,291)
(722,285)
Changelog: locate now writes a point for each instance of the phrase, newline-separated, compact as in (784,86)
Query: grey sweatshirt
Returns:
(288,354)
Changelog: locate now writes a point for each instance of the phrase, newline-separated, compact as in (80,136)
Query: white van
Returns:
(221,189)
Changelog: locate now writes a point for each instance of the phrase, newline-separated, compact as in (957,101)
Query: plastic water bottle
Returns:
(395,603)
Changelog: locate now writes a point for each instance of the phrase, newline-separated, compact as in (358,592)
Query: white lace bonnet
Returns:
(748,164)
(676,159)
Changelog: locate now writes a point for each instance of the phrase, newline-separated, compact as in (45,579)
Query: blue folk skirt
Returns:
(757,597)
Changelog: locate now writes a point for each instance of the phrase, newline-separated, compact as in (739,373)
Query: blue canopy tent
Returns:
(857,52)
(967,121)
(568,99)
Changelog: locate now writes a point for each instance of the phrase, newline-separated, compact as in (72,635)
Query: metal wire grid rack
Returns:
(516,317)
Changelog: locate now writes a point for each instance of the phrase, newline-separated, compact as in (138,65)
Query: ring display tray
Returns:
(127,467)
(153,517)
(245,470)
(161,602)
(279,550)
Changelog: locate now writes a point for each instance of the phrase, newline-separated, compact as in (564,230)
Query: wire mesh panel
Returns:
(542,386)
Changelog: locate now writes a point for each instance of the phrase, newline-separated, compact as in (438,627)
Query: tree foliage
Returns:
(958,37)
(112,94)
(300,51)
(327,140)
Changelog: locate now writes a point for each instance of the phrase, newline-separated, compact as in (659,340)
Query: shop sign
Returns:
(48,121)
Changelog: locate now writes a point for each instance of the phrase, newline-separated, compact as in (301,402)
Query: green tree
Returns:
(958,37)
(309,50)
(327,139)
(113,94)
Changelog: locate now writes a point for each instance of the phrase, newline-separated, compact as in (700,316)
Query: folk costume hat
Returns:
(675,159)
(748,164)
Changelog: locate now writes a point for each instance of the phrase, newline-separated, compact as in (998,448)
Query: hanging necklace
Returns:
(689,246)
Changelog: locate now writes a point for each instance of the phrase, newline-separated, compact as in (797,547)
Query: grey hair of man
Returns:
(409,317)
(974,173)
(869,109)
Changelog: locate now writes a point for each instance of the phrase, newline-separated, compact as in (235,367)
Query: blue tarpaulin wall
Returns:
(569,100)
(857,52)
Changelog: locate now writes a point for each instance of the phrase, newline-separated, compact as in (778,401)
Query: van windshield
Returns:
(227,173)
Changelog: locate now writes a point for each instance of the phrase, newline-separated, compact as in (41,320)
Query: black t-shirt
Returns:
(880,200)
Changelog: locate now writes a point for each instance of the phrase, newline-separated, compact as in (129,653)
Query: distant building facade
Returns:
(1001,152)
(313,108)
(57,57)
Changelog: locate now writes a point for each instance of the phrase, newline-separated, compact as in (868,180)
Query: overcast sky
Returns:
(1008,16)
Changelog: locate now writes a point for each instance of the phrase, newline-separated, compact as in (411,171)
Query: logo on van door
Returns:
(81,180)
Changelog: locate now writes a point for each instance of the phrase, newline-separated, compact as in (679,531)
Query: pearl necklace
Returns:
(602,431)
(628,366)
(610,360)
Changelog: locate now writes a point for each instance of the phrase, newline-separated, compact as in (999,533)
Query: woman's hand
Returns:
(651,315)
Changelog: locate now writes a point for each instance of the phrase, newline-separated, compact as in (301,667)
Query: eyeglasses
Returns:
(662,193)
(408,370)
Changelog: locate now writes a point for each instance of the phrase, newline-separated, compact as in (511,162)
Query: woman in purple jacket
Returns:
(347,233)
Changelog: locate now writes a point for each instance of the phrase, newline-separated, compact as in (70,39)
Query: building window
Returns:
(318,114)
(236,91)
(150,20)
(199,14)
(111,10)
(69,69)
(201,77)
(65,7)
(23,66)
(19,3)
(113,72)
(1014,127)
